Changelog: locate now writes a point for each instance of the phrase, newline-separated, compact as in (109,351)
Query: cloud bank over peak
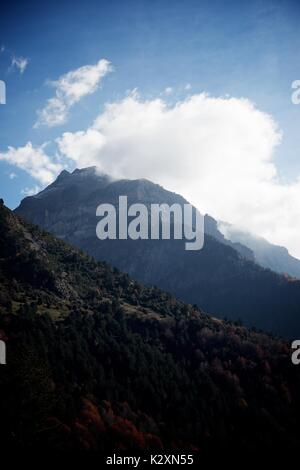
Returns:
(218,152)
(199,138)
(69,89)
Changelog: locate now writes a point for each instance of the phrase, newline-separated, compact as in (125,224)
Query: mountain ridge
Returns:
(274,257)
(226,282)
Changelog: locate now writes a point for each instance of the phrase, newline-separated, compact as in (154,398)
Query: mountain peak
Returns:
(63,175)
(86,170)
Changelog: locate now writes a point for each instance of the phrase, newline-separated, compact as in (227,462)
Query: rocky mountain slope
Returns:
(221,278)
(262,252)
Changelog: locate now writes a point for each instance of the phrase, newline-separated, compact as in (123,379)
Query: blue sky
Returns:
(240,49)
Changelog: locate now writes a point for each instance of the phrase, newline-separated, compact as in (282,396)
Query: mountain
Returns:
(98,362)
(67,208)
(220,278)
(212,229)
(276,258)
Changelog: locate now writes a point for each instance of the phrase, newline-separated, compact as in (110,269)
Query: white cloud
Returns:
(34,161)
(82,147)
(169,90)
(69,89)
(20,63)
(30,191)
(217,152)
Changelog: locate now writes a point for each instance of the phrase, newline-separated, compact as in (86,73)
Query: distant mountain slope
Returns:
(218,278)
(97,362)
(212,229)
(264,253)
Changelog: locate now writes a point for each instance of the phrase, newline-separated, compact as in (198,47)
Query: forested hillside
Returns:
(95,361)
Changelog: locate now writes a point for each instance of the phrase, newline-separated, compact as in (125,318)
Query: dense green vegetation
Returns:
(96,361)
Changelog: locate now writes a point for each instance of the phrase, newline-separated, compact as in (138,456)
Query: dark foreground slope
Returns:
(97,362)
(220,278)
